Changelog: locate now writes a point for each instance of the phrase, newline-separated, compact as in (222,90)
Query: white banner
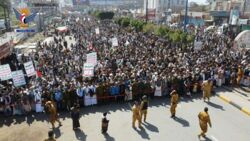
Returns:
(242,21)
(92,58)
(29,68)
(97,30)
(18,78)
(88,70)
(5,72)
(114,42)
(197,45)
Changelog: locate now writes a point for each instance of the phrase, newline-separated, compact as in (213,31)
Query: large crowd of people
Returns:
(141,64)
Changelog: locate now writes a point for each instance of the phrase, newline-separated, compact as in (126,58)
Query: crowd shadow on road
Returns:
(18,119)
(108,137)
(106,107)
(182,121)
(142,132)
(150,127)
(80,135)
(57,132)
(216,106)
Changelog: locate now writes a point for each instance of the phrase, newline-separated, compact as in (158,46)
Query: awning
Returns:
(219,13)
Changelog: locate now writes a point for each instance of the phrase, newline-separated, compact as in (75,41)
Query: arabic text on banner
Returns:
(92,58)
(5,72)
(88,70)
(18,78)
(29,68)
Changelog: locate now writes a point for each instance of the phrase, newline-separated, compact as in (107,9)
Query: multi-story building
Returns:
(220,9)
(157,7)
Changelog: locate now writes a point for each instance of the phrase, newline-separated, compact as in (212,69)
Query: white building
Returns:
(161,6)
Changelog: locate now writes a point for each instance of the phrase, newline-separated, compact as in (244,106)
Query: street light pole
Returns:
(186,17)
(146,11)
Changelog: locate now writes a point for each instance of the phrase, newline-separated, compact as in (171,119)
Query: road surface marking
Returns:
(225,98)
(245,110)
(213,138)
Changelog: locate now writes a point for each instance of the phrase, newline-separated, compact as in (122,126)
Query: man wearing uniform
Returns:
(207,88)
(240,75)
(53,114)
(144,108)
(204,119)
(174,101)
(136,114)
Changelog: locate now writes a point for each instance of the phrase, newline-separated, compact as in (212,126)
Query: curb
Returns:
(227,100)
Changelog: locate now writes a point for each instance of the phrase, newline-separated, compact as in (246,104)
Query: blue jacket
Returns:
(58,96)
(112,90)
(117,90)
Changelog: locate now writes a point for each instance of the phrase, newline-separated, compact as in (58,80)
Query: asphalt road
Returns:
(228,123)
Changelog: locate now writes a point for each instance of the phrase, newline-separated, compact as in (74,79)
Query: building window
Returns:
(219,6)
(182,2)
(178,1)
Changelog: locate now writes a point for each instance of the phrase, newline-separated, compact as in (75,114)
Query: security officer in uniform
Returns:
(144,108)
(204,119)
(207,88)
(53,113)
(174,101)
(136,114)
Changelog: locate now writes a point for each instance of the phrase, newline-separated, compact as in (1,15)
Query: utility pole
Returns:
(244,7)
(186,17)
(146,11)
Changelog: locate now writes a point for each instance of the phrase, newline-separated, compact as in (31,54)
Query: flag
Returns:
(38,74)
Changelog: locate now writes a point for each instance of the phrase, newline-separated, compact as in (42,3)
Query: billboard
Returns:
(80,2)
(151,14)
(234,17)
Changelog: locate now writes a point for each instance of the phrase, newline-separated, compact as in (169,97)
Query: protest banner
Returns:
(114,42)
(5,72)
(88,70)
(18,78)
(97,30)
(29,68)
(92,58)
(197,45)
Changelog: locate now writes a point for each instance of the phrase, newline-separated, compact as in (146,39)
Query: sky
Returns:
(199,1)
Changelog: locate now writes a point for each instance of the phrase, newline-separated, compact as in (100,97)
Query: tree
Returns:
(161,31)
(190,38)
(137,24)
(149,28)
(125,22)
(104,15)
(175,37)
